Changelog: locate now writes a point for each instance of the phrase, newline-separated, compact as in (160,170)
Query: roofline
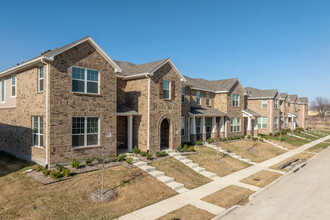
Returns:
(176,69)
(261,97)
(207,90)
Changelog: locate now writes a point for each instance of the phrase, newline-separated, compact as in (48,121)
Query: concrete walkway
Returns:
(194,196)
(303,195)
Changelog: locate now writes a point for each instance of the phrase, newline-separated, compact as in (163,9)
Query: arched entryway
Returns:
(165,134)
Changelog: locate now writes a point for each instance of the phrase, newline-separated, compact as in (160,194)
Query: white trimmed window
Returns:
(166,89)
(85,80)
(183,126)
(264,103)
(208,99)
(38,131)
(235,124)
(275,104)
(85,131)
(183,94)
(198,97)
(275,122)
(262,122)
(235,100)
(286,121)
(3,91)
(13,86)
(41,79)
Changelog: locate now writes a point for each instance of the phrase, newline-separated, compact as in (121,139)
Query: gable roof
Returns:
(302,100)
(49,55)
(254,93)
(214,86)
(283,96)
(250,113)
(292,98)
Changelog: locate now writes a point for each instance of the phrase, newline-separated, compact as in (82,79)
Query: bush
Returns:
(75,163)
(270,134)
(163,153)
(149,156)
(242,136)
(191,148)
(38,168)
(199,142)
(225,139)
(89,161)
(249,137)
(58,167)
(55,174)
(261,139)
(129,160)
(136,150)
(277,134)
(99,160)
(209,140)
(254,138)
(121,157)
(179,148)
(185,148)
(46,172)
(143,153)
(66,172)
(113,157)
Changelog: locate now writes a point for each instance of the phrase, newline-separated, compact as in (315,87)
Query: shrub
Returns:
(89,161)
(121,157)
(129,159)
(191,148)
(157,154)
(113,157)
(261,139)
(254,138)
(149,156)
(225,139)
(55,174)
(66,172)
(179,148)
(46,172)
(75,163)
(163,153)
(277,134)
(143,153)
(199,142)
(185,148)
(58,167)
(38,168)
(270,134)
(242,136)
(136,150)
(209,140)
(249,137)
(99,160)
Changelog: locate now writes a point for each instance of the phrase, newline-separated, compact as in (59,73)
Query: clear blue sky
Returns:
(279,44)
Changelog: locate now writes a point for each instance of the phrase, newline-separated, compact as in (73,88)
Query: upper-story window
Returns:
(198,97)
(295,107)
(85,80)
(183,94)
(41,79)
(235,100)
(166,89)
(264,103)
(208,99)
(2,91)
(275,104)
(13,86)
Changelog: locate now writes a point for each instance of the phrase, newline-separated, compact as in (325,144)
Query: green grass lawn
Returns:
(305,136)
(319,147)
(293,141)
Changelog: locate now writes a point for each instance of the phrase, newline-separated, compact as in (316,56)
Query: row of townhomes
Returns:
(73,101)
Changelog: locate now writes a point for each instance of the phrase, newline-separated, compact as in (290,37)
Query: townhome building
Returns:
(303,112)
(293,111)
(284,110)
(266,104)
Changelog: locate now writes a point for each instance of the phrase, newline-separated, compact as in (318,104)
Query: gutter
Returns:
(148,134)
(47,120)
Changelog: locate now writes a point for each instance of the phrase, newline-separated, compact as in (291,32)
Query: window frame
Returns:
(235,124)
(183,94)
(262,103)
(208,98)
(85,80)
(41,78)
(15,86)
(39,134)
(183,130)
(198,97)
(285,121)
(262,122)
(275,122)
(85,134)
(169,89)
(235,103)
(275,104)
(3,91)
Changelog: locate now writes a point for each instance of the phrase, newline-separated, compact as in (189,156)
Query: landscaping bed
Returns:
(23,198)
(296,159)
(207,158)
(261,178)
(257,151)
(319,147)
(229,196)
(181,173)
(188,212)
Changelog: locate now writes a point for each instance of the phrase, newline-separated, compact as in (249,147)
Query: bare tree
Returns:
(321,105)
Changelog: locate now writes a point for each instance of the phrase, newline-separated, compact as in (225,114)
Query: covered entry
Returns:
(250,122)
(125,128)
(165,134)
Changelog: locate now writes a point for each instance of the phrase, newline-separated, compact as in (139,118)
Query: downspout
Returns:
(47,122)
(148,134)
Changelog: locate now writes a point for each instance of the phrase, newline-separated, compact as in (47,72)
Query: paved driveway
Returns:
(301,195)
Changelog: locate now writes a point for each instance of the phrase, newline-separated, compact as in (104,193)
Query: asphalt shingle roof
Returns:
(253,113)
(292,98)
(133,69)
(206,111)
(302,100)
(216,85)
(283,95)
(254,93)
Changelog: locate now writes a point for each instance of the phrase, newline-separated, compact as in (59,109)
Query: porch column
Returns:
(214,128)
(193,129)
(188,129)
(130,133)
(248,132)
(203,129)
(226,128)
(222,126)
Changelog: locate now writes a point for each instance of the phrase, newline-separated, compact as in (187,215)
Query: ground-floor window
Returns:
(85,131)
(235,124)
(285,121)
(208,123)
(275,122)
(183,126)
(38,131)
(262,122)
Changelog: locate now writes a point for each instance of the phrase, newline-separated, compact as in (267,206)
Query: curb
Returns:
(226,212)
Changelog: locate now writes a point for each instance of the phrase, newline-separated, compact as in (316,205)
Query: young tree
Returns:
(321,105)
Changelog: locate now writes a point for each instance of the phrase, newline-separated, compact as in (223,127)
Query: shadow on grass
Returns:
(10,164)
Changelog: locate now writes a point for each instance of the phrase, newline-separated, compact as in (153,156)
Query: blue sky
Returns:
(279,44)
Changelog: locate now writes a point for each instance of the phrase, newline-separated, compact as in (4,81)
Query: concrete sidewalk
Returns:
(193,196)
(303,195)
